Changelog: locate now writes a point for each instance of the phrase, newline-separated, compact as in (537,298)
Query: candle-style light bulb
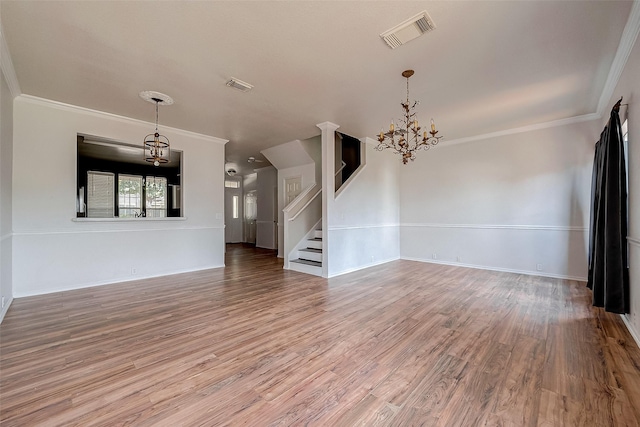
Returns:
(424,135)
(415,124)
(433,126)
(392,127)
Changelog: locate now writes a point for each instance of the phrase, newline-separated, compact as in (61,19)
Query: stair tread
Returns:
(307,262)
(316,239)
(314,250)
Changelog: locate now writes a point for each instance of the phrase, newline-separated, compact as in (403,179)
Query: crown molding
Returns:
(7,67)
(101,114)
(627,40)
(328,126)
(529,128)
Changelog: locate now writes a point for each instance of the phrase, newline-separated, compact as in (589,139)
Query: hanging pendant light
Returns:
(405,137)
(157,149)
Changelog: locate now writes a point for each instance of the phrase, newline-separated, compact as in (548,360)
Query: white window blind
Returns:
(100,203)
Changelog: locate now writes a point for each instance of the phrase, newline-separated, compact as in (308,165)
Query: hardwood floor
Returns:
(401,344)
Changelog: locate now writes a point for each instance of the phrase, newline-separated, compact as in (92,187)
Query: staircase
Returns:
(310,258)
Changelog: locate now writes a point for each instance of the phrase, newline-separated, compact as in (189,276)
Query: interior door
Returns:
(292,188)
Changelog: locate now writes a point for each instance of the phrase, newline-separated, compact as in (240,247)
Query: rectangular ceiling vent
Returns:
(239,84)
(408,30)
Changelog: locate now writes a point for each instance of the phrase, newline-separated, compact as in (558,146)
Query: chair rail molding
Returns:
(499,226)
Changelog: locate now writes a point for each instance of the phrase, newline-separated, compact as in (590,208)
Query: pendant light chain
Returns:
(156,116)
(156,147)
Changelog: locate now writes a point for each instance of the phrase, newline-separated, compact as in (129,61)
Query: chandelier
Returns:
(156,147)
(405,138)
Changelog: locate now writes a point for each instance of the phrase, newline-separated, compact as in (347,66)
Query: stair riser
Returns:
(309,269)
(315,244)
(310,256)
(317,234)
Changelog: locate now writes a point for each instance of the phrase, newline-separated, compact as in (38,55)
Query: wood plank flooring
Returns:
(401,344)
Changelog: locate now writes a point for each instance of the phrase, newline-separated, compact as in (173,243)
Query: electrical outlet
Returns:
(457,259)
(539,267)
(434,256)
(134,271)
(3,301)
(372,258)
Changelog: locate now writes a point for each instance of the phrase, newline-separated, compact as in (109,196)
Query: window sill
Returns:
(171,218)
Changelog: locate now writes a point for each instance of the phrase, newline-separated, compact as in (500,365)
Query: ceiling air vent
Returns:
(408,30)
(239,84)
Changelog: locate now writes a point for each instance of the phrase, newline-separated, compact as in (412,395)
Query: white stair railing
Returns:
(300,216)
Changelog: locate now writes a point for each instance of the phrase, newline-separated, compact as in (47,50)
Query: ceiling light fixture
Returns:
(407,140)
(156,147)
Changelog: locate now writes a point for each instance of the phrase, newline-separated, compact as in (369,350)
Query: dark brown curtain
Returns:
(608,273)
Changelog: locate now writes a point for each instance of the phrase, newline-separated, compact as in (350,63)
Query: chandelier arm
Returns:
(409,138)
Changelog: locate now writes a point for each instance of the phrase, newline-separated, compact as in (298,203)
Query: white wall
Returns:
(267,185)
(249,182)
(307,174)
(51,252)
(515,203)
(629,88)
(363,219)
(313,147)
(6,170)
(292,159)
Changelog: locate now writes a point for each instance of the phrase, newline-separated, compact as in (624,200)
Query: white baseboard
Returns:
(114,281)
(505,270)
(630,328)
(373,264)
(5,309)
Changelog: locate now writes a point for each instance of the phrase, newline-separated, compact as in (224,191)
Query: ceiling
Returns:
(488,66)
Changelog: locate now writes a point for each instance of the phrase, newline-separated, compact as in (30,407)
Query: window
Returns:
(138,196)
(114,181)
(156,197)
(232,184)
(100,194)
(250,206)
(625,145)
(129,196)
(235,202)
